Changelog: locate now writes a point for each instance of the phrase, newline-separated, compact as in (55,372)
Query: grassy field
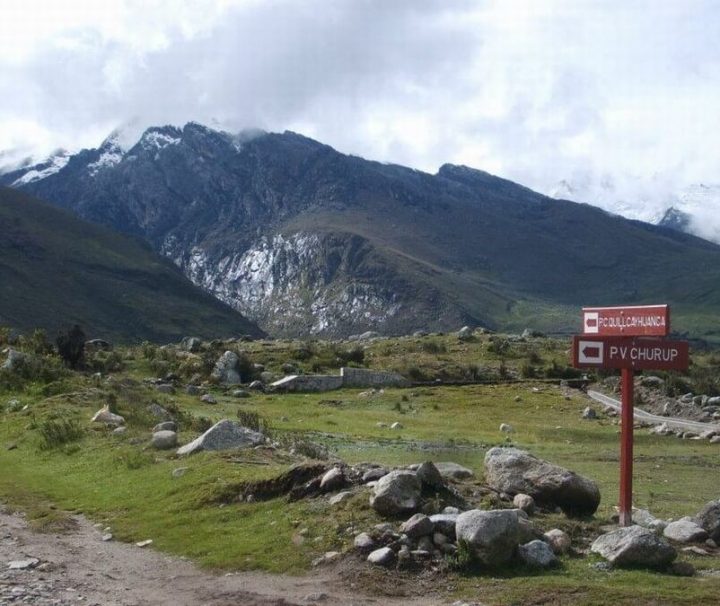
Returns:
(119,481)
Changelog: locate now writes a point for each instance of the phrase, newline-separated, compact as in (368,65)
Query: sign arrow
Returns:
(591,352)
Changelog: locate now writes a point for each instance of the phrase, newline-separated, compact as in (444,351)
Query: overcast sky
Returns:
(538,91)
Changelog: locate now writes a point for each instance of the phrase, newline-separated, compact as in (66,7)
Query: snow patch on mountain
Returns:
(52,165)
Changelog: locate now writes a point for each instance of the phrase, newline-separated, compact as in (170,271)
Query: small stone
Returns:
(23,564)
(537,554)
(364,542)
(417,526)
(107,537)
(164,440)
(144,543)
(334,478)
(524,502)
(558,540)
(685,530)
(374,474)
(208,399)
(118,431)
(506,428)
(165,426)
(382,557)
(240,393)
(589,413)
(396,425)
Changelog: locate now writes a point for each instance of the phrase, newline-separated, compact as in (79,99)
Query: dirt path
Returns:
(78,567)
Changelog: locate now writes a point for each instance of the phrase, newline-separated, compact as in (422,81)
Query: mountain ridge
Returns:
(308,241)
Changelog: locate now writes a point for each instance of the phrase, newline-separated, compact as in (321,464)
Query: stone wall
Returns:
(349,377)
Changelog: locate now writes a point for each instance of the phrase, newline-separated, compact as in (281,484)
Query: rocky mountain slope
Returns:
(56,270)
(305,240)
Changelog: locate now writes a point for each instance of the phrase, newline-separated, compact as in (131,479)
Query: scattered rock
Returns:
(23,564)
(682,569)
(193,390)
(445,523)
(709,519)
(118,431)
(514,471)
(165,426)
(208,398)
(227,369)
(364,542)
(224,435)
(396,493)
(165,388)
(15,360)
(642,517)
(374,474)
(454,471)
(105,416)
(240,393)
(417,526)
(695,550)
(465,333)
(332,480)
(164,440)
(524,502)
(634,546)
(589,413)
(396,425)
(107,537)
(382,557)
(685,531)
(492,536)
(429,475)
(257,386)
(558,540)
(158,412)
(340,497)
(191,344)
(144,543)
(506,428)
(537,554)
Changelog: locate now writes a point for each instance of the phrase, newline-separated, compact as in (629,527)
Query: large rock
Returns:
(429,475)
(685,531)
(417,526)
(15,360)
(492,536)
(382,557)
(514,471)
(445,523)
(709,519)
(634,546)
(558,540)
(227,369)
(395,493)
(224,435)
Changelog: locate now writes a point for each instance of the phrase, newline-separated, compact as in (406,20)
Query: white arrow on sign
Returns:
(591,352)
(591,322)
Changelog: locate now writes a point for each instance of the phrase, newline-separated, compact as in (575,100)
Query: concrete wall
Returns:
(349,377)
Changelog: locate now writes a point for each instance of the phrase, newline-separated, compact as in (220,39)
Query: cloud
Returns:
(537,92)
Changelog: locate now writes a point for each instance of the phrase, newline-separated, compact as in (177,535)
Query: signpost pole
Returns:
(626,447)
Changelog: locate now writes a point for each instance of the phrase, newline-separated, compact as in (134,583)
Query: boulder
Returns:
(227,369)
(514,471)
(492,536)
(634,546)
(709,519)
(224,435)
(164,440)
(465,333)
(429,475)
(454,471)
(191,344)
(382,557)
(685,531)
(558,540)
(374,474)
(105,416)
(537,554)
(417,526)
(395,493)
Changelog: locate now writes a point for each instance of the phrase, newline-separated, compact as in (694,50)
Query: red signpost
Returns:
(618,337)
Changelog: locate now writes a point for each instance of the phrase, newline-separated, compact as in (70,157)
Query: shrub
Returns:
(253,420)
(57,432)
(71,346)
(433,347)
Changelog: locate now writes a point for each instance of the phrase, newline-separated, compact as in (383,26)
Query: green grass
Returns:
(118,481)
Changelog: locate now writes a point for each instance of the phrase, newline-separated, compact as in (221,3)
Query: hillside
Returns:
(57,270)
(305,240)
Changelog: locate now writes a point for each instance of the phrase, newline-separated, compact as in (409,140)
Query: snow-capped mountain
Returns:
(694,209)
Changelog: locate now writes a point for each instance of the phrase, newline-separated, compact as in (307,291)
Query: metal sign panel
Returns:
(630,353)
(633,321)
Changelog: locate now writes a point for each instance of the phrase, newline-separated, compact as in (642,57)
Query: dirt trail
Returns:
(78,567)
